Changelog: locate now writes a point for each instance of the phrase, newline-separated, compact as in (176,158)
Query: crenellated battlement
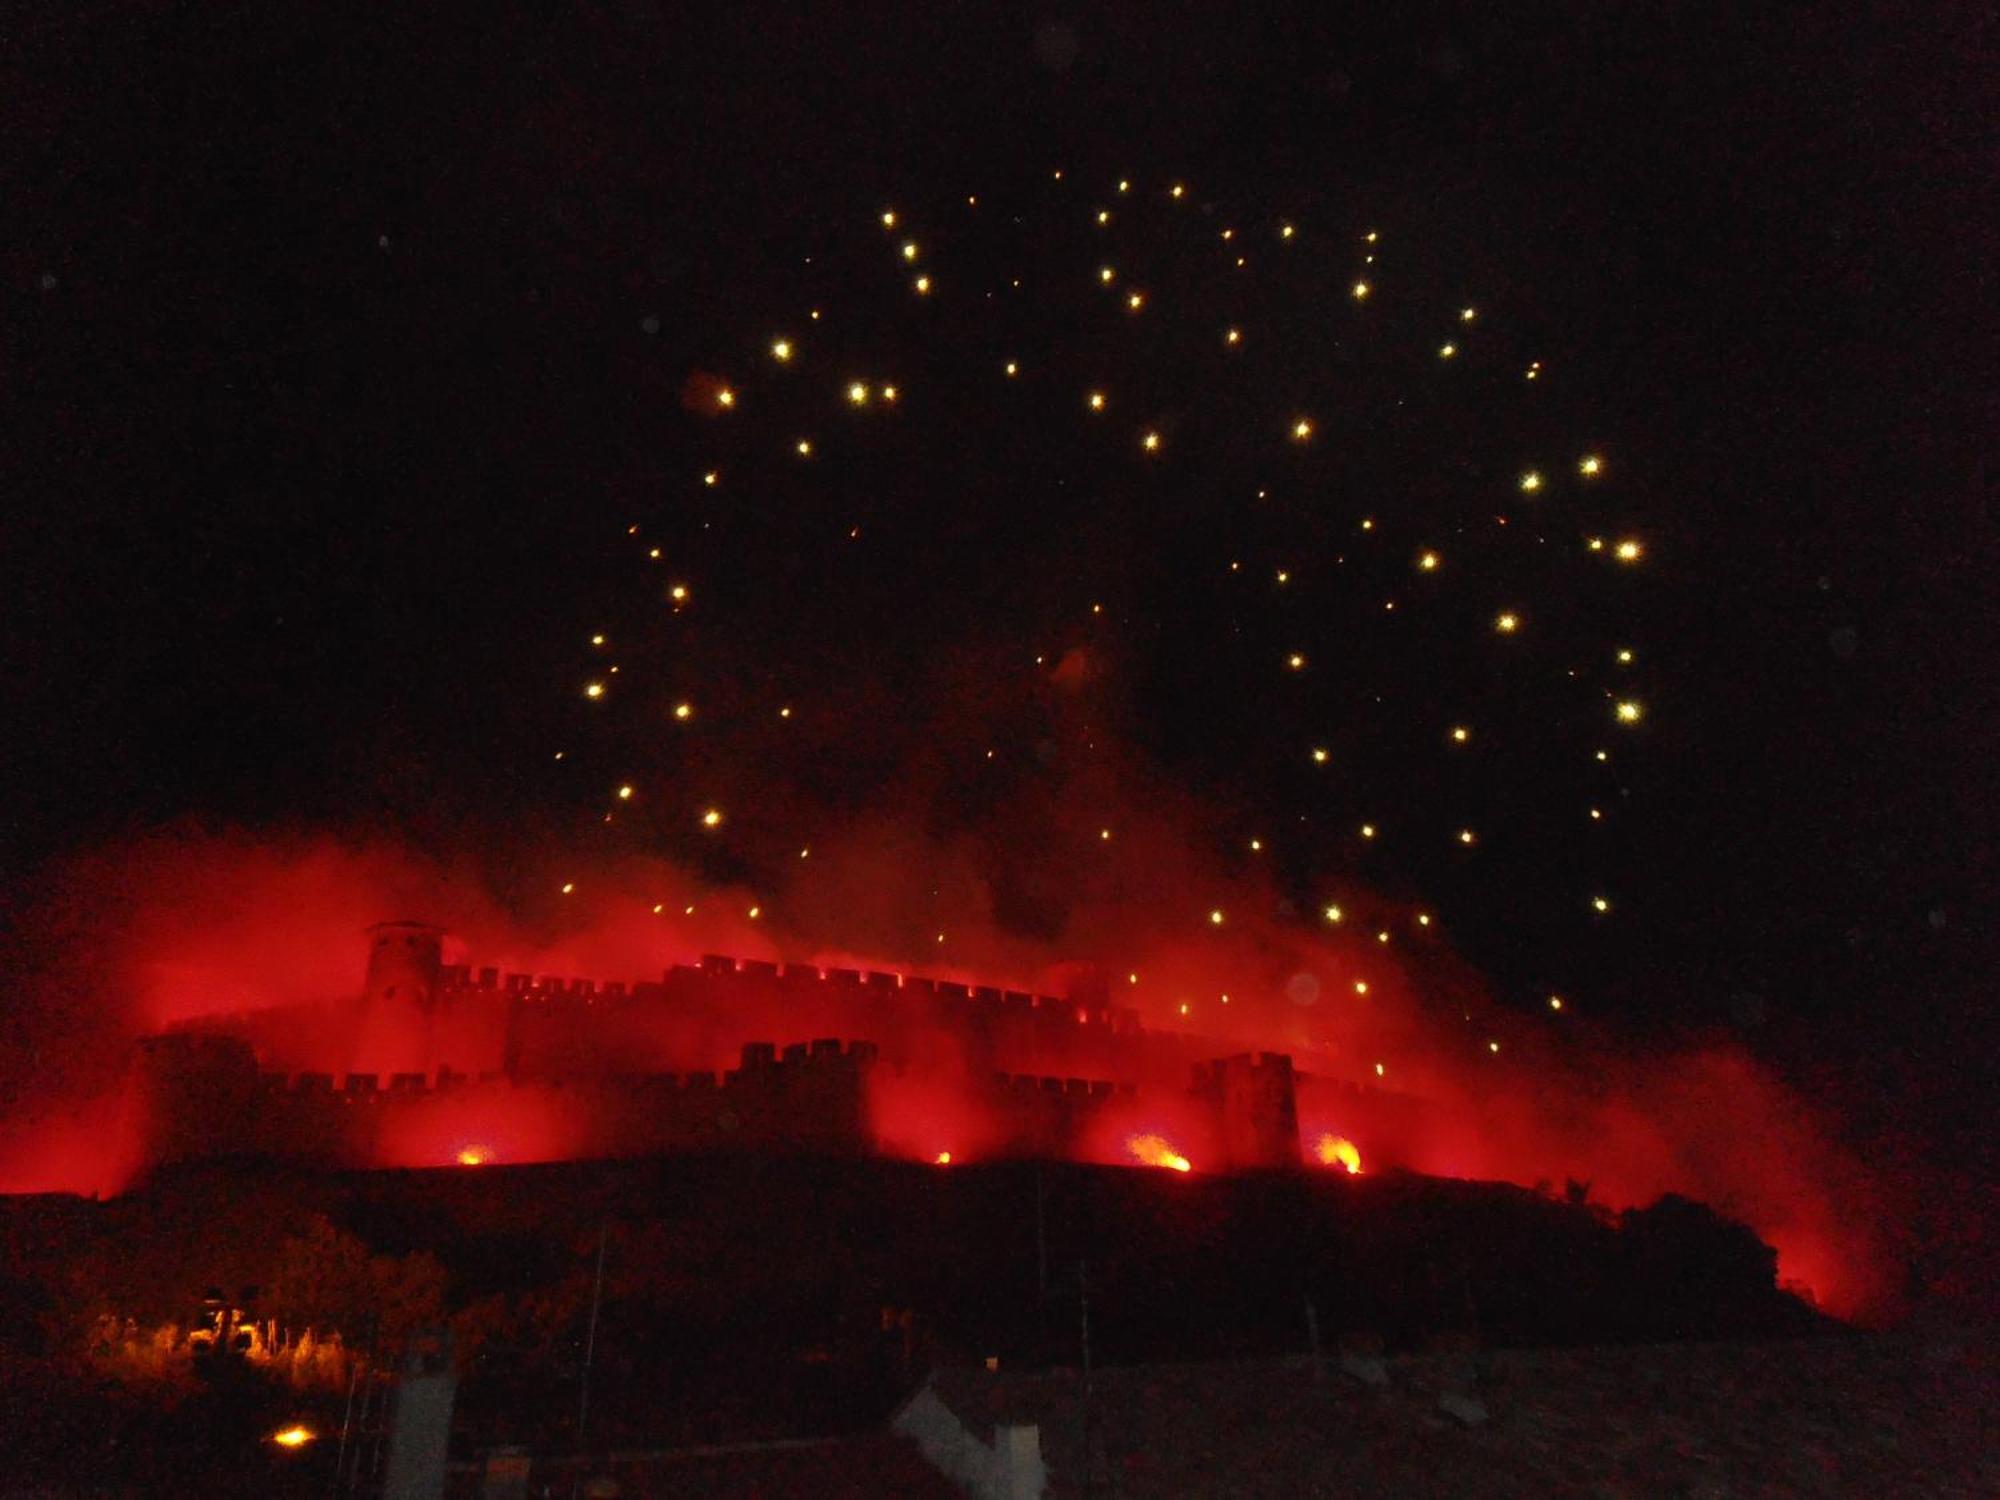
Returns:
(757,1058)
(566,1067)
(1097,1090)
(463,982)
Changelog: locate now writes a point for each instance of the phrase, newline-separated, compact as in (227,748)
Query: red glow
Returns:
(91,1148)
(483,1127)
(174,928)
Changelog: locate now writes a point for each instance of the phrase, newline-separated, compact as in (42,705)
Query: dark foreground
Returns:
(1878,1416)
(748,1302)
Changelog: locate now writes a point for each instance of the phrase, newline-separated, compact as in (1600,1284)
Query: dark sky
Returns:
(325,356)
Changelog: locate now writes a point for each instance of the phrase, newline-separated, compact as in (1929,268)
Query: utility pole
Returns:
(1041,1235)
(590,1339)
(1089,1404)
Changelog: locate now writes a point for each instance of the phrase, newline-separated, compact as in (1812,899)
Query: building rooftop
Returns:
(1874,1416)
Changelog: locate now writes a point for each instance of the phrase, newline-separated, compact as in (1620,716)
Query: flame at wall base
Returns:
(1338,1151)
(1155,1151)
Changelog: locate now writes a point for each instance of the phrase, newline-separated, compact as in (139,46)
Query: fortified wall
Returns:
(434,1062)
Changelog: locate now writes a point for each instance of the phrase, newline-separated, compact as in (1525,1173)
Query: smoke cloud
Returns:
(185,923)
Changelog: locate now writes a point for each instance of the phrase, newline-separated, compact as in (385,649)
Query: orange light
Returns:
(472,1156)
(942,1159)
(1154,1151)
(1338,1151)
(294,1436)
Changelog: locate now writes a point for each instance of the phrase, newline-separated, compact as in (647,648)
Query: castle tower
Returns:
(404,963)
(1255,1099)
(194,1095)
(398,1014)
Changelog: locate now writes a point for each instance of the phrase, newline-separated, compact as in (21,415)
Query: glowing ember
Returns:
(294,1436)
(1154,1151)
(1338,1151)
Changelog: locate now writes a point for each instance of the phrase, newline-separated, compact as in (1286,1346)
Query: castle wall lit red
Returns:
(433,1063)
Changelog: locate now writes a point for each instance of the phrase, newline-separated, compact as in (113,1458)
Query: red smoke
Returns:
(183,925)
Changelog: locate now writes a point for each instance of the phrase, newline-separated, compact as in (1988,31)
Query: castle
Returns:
(434,1063)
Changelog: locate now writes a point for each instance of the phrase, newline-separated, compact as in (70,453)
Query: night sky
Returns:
(341,356)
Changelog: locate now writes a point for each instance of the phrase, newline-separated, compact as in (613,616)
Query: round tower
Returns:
(404,963)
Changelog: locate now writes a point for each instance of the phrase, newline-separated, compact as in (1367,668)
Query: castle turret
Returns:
(194,1094)
(405,960)
(398,1023)
(1255,1099)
